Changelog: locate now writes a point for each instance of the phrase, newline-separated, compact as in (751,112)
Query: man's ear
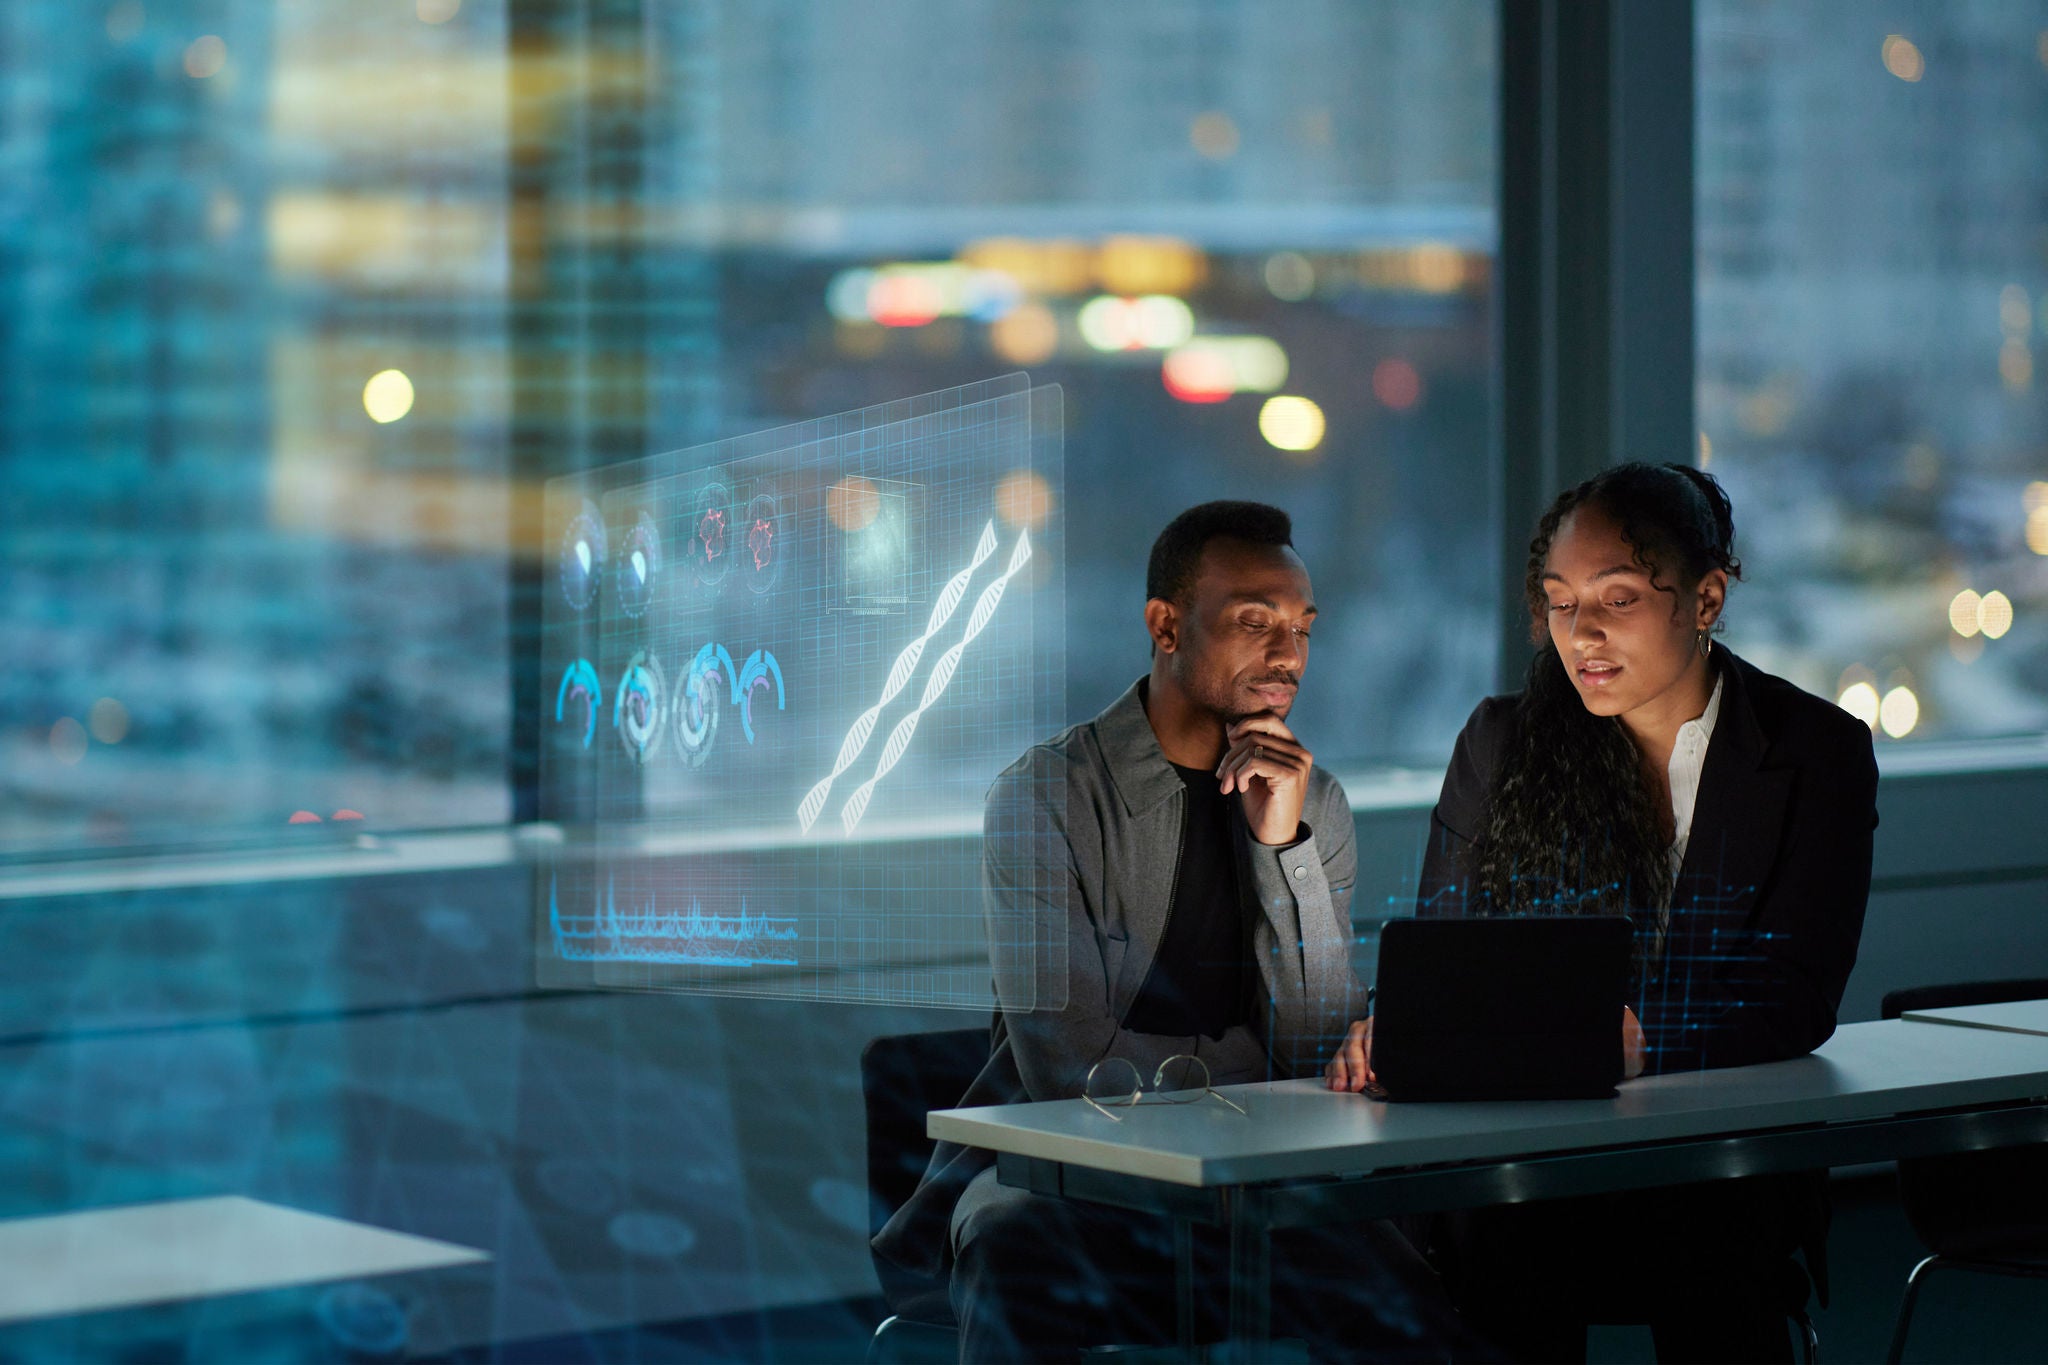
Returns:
(1162,623)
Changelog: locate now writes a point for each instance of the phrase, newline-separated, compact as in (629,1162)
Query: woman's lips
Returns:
(1598,674)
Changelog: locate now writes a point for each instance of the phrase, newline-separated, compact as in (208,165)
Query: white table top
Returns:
(2017,1016)
(1300,1129)
(192,1248)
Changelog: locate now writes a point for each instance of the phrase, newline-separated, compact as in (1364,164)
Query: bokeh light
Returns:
(2037,530)
(205,57)
(1026,335)
(67,740)
(2015,314)
(1899,712)
(1210,369)
(108,721)
(1156,322)
(1995,615)
(1964,613)
(437,11)
(388,396)
(1292,423)
(852,503)
(1396,383)
(1024,499)
(1214,135)
(1860,700)
(1289,276)
(2016,364)
(1902,58)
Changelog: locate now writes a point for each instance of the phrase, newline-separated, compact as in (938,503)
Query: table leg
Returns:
(1251,1277)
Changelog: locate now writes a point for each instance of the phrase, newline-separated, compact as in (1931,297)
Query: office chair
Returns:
(902,1079)
(1981,1211)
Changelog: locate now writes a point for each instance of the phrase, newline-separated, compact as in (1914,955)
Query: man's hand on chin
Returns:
(1268,764)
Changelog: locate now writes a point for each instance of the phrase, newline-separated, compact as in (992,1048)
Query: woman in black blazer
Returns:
(1646,771)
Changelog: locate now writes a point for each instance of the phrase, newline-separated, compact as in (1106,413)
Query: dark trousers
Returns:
(1704,1265)
(1037,1278)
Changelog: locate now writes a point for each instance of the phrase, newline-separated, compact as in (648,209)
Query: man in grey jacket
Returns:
(1171,878)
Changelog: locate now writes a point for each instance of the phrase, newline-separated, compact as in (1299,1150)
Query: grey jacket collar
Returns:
(1138,767)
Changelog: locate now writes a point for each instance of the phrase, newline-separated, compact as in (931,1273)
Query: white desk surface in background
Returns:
(2017,1016)
(192,1248)
(1299,1129)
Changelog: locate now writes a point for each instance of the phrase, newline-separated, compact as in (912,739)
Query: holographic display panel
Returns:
(781,673)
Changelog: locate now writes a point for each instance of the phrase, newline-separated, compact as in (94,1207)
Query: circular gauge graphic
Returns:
(761,543)
(713,541)
(698,698)
(637,710)
(579,699)
(582,557)
(639,566)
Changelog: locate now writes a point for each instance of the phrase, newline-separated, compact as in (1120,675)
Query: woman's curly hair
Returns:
(1572,825)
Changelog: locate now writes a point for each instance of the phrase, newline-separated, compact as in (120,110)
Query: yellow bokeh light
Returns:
(1860,700)
(2015,364)
(2037,530)
(853,503)
(437,11)
(205,57)
(1964,613)
(1995,615)
(1290,422)
(67,740)
(1129,263)
(388,396)
(1903,59)
(1706,451)
(2036,496)
(1899,712)
(108,720)
(1436,268)
(1024,499)
(1025,335)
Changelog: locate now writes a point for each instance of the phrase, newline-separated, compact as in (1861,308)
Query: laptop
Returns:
(1519,1008)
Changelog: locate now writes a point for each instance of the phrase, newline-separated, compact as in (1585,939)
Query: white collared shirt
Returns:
(1688,756)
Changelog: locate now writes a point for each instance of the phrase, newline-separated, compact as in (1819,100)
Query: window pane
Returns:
(1873,307)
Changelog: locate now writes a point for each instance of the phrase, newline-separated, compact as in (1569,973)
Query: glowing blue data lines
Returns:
(899,675)
(579,683)
(935,686)
(650,934)
(761,666)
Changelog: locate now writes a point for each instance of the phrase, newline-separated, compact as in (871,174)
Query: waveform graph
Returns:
(673,928)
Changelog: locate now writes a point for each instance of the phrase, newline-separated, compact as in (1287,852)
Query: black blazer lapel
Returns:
(1739,817)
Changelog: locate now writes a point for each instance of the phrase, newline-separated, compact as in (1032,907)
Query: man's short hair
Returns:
(1177,554)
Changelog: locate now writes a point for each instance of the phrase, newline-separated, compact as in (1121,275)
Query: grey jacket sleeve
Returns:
(1042,875)
(1304,940)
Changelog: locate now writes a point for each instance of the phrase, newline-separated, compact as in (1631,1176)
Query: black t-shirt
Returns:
(1199,978)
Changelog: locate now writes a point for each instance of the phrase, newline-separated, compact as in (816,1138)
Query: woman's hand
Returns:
(1351,1068)
(1631,1044)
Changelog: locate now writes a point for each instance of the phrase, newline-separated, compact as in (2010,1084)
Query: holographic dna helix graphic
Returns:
(651,934)
(899,675)
(579,683)
(935,686)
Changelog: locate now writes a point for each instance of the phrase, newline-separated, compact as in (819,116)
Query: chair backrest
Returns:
(1957,994)
(903,1078)
(1985,1203)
